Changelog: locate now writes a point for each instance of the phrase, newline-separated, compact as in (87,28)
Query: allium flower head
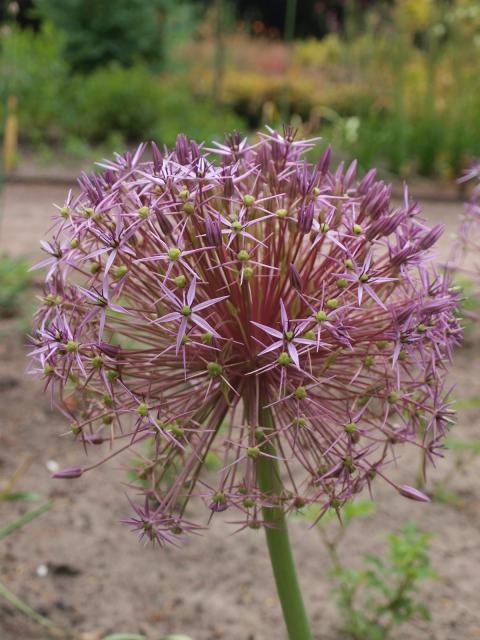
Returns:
(210,308)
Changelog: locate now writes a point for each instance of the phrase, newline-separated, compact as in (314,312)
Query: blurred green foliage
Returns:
(397,84)
(33,69)
(112,104)
(383,595)
(99,31)
(14,280)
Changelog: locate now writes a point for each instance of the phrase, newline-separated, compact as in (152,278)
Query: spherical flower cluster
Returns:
(213,309)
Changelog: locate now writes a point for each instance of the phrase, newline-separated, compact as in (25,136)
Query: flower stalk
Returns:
(278,542)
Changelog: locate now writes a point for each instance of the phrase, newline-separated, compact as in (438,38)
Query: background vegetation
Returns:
(395,83)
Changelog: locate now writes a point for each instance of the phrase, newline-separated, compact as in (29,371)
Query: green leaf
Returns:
(22,496)
(362,508)
(31,613)
(27,517)
(467,403)
(460,445)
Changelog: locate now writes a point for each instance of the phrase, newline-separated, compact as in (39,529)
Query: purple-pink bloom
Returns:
(191,291)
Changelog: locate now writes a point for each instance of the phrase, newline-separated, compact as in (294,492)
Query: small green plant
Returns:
(327,524)
(383,595)
(14,280)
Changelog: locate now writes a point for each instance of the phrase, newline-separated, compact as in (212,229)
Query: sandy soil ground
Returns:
(218,586)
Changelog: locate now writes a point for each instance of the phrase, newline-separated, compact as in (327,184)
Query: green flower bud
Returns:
(180,281)
(120,271)
(281,213)
(97,362)
(259,435)
(332,303)
(107,400)
(320,316)
(248,200)
(186,311)
(342,283)
(177,431)
(284,359)
(392,397)
(247,273)
(243,255)
(188,208)
(142,410)
(207,337)
(174,253)
(253,452)
(300,393)
(72,346)
(214,369)
(357,229)
(144,212)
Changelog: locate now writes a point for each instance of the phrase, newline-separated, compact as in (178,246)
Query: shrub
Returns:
(32,68)
(115,100)
(96,33)
(138,105)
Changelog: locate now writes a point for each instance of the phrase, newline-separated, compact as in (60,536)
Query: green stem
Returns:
(27,517)
(31,613)
(278,543)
